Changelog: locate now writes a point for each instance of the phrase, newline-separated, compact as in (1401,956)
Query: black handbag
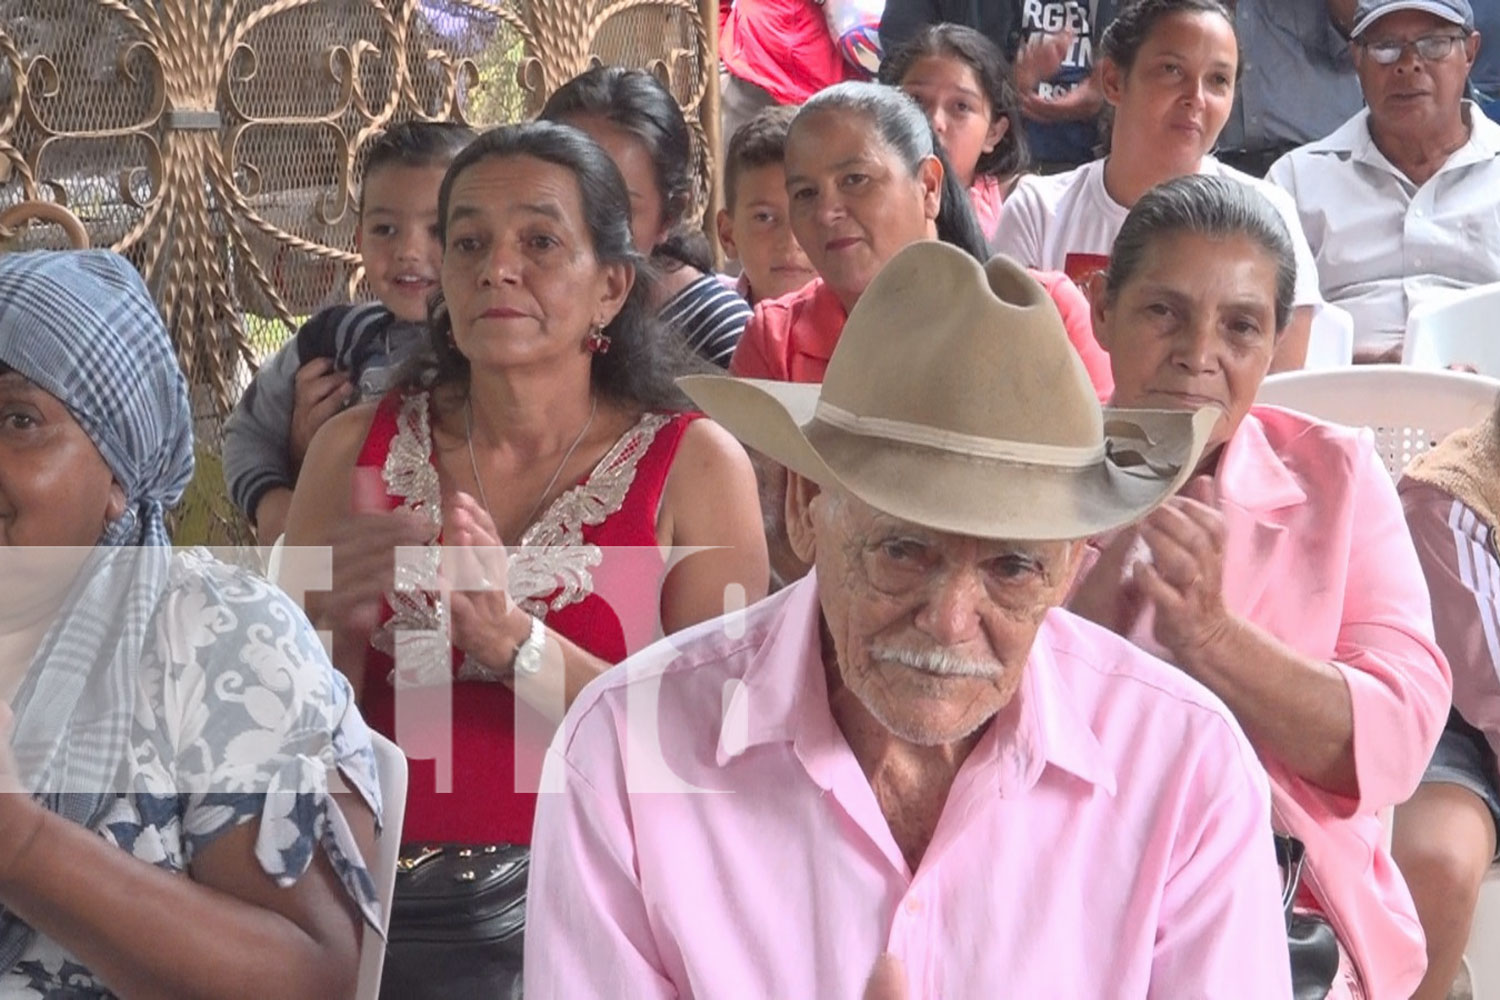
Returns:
(456,923)
(1314,947)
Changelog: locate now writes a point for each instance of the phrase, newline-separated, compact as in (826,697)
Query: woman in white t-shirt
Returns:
(1168,70)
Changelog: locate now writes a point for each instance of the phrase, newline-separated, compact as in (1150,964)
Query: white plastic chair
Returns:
(1464,329)
(390,762)
(1330,342)
(1409,409)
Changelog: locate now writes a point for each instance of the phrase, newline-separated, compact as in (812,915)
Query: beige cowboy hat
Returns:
(955,401)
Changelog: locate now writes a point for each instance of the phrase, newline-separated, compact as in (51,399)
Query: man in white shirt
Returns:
(1401,204)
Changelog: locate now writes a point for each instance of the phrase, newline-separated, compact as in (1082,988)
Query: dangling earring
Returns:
(597,342)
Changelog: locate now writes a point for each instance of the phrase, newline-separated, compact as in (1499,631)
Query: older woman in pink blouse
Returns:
(1283,578)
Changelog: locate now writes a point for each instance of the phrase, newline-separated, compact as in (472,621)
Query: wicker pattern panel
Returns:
(216,142)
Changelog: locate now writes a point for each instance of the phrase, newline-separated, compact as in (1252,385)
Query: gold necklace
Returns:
(479,482)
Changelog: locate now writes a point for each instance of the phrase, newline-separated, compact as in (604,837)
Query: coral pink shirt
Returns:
(1316,552)
(1107,837)
(790,339)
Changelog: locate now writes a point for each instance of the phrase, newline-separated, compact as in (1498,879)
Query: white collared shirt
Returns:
(1383,245)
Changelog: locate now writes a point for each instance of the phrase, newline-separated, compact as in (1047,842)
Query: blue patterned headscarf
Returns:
(81,326)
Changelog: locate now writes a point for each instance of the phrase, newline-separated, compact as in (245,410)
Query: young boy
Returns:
(348,352)
(754,226)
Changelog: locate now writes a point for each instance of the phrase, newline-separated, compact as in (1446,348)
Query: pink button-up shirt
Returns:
(1316,552)
(1108,837)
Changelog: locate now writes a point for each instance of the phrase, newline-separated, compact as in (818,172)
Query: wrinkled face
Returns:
(931,631)
(1194,326)
(1413,94)
(854,203)
(633,159)
(951,96)
(520,277)
(398,237)
(760,234)
(1179,91)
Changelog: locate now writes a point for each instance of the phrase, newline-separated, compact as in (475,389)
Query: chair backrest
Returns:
(1409,409)
(390,762)
(24,212)
(1463,330)
(1330,342)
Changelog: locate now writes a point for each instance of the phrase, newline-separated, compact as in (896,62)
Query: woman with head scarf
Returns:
(170,715)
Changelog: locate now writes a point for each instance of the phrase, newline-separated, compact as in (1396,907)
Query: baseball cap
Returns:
(1367,12)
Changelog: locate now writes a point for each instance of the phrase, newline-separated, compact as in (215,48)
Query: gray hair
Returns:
(1217,207)
(901,125)
(897,118)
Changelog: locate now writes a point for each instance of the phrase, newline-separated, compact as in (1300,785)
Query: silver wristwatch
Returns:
(528,658)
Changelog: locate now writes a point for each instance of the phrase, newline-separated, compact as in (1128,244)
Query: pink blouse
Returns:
(1316,552)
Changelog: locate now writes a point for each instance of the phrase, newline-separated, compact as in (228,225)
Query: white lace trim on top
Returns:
(551,569)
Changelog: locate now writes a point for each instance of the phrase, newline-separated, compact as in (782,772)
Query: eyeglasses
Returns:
(1430,48)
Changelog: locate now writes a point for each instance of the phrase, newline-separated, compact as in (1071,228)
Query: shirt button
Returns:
(1416,262)
(913,906)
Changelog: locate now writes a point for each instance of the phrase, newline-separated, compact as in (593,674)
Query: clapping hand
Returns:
(476,565)
(1081,103)
(1184,579)
(1108,595)
(1040,59)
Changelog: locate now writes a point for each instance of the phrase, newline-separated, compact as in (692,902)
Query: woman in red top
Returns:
(547,424)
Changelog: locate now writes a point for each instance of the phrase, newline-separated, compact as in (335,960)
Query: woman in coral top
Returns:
(867,176)
(546,426)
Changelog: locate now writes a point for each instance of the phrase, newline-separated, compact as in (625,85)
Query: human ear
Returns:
(619,279)
(1100,308)
(1111,80)
(724,229)
(114,504)
(930,177)
(998,129)
(800,532)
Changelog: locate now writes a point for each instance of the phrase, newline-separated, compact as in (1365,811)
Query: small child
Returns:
(348,352)
(754,226)
(961,80)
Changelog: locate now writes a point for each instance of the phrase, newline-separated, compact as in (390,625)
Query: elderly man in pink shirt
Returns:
(912,756)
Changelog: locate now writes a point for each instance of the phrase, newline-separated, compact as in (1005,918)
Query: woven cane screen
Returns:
(216,142)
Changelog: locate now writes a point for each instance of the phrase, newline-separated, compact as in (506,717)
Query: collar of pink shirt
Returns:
(783,698)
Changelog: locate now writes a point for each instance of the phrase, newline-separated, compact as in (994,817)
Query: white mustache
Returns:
(939,661)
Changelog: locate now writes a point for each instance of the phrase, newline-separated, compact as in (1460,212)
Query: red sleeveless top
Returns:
(589,566)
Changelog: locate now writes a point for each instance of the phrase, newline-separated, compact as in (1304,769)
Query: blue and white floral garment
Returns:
(239,716)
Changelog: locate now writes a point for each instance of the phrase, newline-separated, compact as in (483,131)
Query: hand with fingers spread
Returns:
(320,391)
(887,981)
(1040,59)
(1108,596)
(1184,581)
(484,618)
